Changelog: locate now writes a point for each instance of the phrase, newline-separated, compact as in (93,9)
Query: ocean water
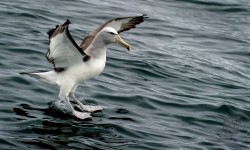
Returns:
(184,85)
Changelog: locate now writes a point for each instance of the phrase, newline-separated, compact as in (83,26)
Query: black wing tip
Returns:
(140,18)
(67,22)
(143,17)
(135,20)
(51,31)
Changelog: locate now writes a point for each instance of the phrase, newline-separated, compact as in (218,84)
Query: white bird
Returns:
(74,64)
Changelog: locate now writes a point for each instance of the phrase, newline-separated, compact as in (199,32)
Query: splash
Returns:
(62,106)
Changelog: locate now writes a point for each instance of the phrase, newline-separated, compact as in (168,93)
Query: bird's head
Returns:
(111,36)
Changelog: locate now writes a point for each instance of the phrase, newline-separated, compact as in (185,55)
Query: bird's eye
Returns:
(112,33)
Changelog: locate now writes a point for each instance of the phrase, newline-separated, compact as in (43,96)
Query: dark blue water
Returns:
(184,85)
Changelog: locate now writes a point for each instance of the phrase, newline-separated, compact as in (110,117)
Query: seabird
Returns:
(75,64)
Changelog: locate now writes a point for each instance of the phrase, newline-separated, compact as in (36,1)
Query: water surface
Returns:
(184,85)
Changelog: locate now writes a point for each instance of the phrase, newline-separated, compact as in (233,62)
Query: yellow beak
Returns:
(120,41)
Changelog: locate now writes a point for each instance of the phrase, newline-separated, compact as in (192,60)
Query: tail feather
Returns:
(50,77)
(24,73)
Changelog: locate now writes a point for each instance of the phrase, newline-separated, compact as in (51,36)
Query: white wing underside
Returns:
(63,52)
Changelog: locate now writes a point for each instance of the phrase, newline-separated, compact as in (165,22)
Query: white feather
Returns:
(50,77)
(64,53)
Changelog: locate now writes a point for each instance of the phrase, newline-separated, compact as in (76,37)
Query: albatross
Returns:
(75,64)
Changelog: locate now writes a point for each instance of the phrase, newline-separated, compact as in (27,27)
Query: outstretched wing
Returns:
(63,51)
(119,24)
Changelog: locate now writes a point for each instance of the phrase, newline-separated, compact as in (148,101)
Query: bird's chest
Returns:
(96,66)
(89,69)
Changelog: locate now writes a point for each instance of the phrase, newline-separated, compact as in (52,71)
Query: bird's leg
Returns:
(88,108)
(64,95)
(80,105)
(80,115)
(76,102)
